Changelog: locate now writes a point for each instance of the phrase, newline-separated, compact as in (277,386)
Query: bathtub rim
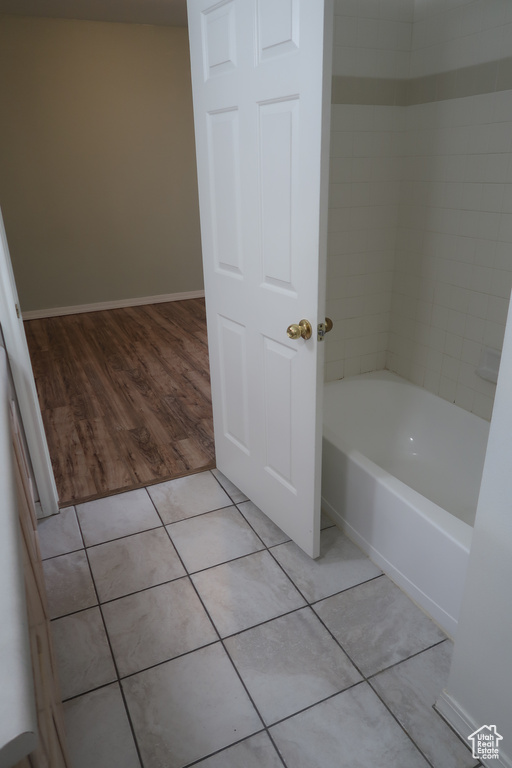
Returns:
(456,529)
(475,425)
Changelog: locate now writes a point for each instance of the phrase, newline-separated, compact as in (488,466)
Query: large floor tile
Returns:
(133,563)
(83,655)
(290,663)
(410,690)
(188,708)
(115,516)
(255,752)
(59,534)
(235,494)
(245,592)
(341,565)
(213,538)
(353,728)
(98,731)
(188,496)
(69,584)
(268,531)
(378,625)
(156,625)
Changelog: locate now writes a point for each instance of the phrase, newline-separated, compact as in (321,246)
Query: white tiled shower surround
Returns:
(420,243)
(453,268)
(364,209)
(449,34)
(372,38)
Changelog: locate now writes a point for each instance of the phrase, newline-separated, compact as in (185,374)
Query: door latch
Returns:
(324,328)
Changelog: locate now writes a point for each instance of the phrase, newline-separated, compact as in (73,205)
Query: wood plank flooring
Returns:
(125,396)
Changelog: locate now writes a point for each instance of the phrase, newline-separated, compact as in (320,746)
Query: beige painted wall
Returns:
(97,161)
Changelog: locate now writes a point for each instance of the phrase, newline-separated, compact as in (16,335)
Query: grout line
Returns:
(368,682)
(90,690)
(412,656)
(316,703)
(347,589)
(225,562)
(119,538)
(136,744)
(62,554)
(311,603)
(167,661)
(126,536)
(222,643)
(236,743)
(74,613)
(222,640)
(266,621)
(193,517)
(365,678)
(143,589)
(308,604)
(144,530)
(224,489)
(276,748)
(238,673)
(222,749)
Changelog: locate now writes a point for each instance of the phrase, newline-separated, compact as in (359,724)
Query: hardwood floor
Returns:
(125,396)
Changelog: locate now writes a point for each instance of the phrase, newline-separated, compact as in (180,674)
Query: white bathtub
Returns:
(401,475)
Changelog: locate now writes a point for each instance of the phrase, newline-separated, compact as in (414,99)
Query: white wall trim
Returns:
(464,725)
(77,309)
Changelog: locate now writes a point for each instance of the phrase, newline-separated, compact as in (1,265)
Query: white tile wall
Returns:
(422,197)
(448,34)
(453,271)
(372,38)
(364,202)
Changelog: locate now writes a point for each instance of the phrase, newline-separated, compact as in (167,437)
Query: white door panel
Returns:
(261,118)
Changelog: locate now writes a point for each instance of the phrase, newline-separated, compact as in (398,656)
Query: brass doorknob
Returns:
(300,330)
(328,324)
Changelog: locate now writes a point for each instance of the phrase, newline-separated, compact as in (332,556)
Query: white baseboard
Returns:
(77,309)
(464,725)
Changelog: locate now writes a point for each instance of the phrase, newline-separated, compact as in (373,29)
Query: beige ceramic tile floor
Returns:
(190,631)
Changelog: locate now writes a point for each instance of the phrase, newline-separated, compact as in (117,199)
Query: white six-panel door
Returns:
(261,83)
